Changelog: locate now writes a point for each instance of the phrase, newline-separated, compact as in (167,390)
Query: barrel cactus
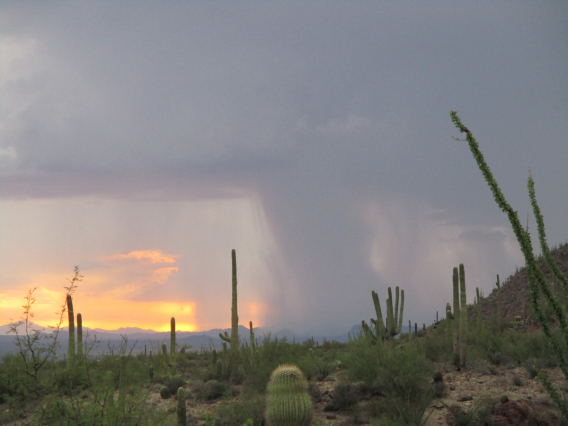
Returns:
(288,402)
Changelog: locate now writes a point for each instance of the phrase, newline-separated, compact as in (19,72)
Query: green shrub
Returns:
(404,377)
(343,397)
(239,412)
(209,391)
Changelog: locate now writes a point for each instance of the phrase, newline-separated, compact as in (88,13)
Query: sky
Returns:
(143,141)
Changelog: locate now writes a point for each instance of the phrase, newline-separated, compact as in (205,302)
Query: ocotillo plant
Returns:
(71,317)
(288,402)
(234,339)
(79,336)
(536,278)
(173,336)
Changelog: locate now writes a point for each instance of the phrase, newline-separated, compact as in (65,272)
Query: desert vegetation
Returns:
(499,360)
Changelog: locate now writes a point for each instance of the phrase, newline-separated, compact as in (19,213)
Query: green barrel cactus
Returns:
(288,402)
(165,392)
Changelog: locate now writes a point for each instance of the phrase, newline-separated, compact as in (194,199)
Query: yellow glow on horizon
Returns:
(256,312)
(103,312)
(154,256)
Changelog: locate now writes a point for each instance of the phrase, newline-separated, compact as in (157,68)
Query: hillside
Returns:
(515,290)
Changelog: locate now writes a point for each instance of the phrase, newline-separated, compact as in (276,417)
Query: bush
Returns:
(239,412)
(343,397)
(209,391)
(404,377)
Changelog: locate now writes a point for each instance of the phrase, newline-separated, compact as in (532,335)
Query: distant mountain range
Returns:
(152,340)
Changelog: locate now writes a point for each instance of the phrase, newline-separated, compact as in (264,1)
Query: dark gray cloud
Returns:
(318,109)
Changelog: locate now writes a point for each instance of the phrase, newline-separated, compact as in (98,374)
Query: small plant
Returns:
(439,385)
(165,392)
(344,396)
(517,381)
(181,409)
(288,402)
(34,347)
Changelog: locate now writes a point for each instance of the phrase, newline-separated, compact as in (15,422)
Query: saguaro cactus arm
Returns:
(380,330)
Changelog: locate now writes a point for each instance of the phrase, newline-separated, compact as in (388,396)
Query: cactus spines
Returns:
(79,336)
(181,412)
(288,402)
(173,336)
(463,319)
(456,328)
(71,317)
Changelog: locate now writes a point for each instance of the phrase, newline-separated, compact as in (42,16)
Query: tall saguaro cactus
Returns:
(172,336)
(234,339)
(79,336)
(457,317)
(71,318)
(499,305)
(463,319)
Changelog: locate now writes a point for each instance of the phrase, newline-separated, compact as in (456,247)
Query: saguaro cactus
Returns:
(252,342)
(499,305)
(463,319)
(391,327)
(457,317)
(288,402)
(71,317)
(234,339)
(449,324)
(79,336)
(173,336)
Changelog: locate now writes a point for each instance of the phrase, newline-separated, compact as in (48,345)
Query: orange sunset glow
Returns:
(103,312)
(154,256)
